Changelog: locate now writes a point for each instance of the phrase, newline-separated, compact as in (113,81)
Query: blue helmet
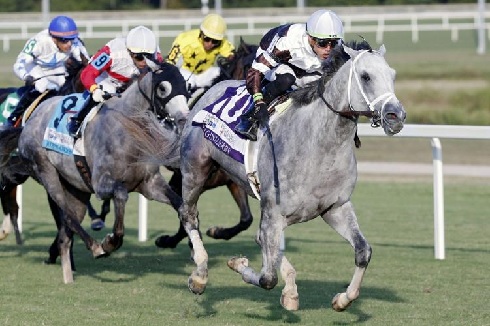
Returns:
(63,27)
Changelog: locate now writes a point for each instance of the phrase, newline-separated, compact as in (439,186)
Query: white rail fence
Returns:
(413,22)
(434,132)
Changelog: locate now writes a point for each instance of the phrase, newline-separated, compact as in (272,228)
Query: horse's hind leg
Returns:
(105,209)
(54,249)
(65,244)
(6,227)
(98,221)
(13,207)
(10,208)
(171,241)
(73,203)
(246,218)
(343,220)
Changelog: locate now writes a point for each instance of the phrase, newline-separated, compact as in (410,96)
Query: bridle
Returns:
(353,114)
(151,99)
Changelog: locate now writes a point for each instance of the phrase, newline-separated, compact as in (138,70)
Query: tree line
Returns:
(90,5)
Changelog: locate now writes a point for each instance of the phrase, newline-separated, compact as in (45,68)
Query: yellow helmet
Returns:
(214,26)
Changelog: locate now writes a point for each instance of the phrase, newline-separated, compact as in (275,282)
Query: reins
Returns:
(150,100)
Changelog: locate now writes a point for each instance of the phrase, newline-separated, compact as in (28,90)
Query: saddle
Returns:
(31,108)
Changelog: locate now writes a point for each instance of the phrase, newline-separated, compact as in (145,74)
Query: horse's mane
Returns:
(337,58)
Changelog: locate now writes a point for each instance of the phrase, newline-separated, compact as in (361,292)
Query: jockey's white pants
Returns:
(201,80)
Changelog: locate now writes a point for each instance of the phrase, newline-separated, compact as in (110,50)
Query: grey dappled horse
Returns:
(235,69)
(316,166)
(10,181)
(115,161)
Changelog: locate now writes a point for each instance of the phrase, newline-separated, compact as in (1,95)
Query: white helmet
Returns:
(325,24)
(141,40)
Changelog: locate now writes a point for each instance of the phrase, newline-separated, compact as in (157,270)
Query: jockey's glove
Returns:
(29,80)
(98,95)
(260,112)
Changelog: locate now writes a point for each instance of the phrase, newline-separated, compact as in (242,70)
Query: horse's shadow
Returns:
(314,295)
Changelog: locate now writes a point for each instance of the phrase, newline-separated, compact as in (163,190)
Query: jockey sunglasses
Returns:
(141,56)
(63,40)
(325,42)
(212,40)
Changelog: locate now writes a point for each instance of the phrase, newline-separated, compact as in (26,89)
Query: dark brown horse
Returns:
(234,69)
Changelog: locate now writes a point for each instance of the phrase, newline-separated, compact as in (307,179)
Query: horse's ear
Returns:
(152,65)
(351,52)
(382,50)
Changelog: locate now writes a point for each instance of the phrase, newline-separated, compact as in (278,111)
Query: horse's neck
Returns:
(318,123)
(134,99)
(335,94)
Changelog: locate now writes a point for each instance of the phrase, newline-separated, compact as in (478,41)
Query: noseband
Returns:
(352,114)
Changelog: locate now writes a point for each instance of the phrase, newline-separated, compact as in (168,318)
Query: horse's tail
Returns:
(12,167)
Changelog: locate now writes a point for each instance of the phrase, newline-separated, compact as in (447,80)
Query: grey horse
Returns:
(306,164)
(115,163)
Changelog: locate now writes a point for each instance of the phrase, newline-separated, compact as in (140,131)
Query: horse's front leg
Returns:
(194,177)
(189,218)
(157,189)
(114,240)
(71,201)
(343,220)
(269,238)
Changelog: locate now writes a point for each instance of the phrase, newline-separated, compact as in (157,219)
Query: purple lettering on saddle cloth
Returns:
(219,119)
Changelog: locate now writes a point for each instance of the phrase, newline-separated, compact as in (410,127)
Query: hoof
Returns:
(111,243)
(197,284)
(3,235)
(165,242)
(211,232)
(49,261)
(340,302)
(98,251)
(238,263)
(219,233)
(97,224)
(290,303)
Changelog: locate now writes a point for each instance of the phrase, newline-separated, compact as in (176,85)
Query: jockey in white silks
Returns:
(41,63)
(114,66)
(196,52)
(289,56)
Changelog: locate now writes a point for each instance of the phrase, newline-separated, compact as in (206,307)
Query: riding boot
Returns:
(77,119)
(27,98)
(249,120)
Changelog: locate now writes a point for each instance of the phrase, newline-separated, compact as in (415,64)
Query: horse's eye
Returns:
(365,77)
